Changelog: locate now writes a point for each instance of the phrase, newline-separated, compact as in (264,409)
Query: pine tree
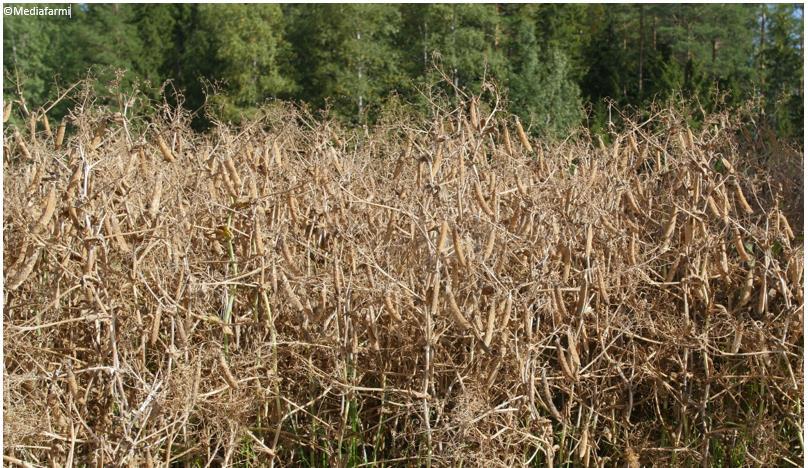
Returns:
(345,53)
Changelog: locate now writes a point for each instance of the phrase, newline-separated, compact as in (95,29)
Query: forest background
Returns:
(559,66)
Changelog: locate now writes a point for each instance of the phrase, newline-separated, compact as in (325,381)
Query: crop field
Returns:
(448,291)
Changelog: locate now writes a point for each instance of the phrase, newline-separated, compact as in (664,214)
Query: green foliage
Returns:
(550,60)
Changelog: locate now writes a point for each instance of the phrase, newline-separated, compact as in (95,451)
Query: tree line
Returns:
(557,65)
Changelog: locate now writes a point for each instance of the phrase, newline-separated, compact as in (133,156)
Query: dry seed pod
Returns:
(762,296)
(523,136)
(21,143)
(739,247)
(604,294)
(559,300)
(390,306)
(457,315)
(60,135)
(746,291)
(632,250)
(7,111)
(226,373)
(573,349)
(713,207)
(506,314)
(290,293)
(506,136)
(31,256)
(728,165)
(725,205)
(489,329)
(723,262)
(168,156)
(632,142)
(72,385)
(562,359)
(457,242)
(795,269)
(444,230)
(783,222)
(276,154)
(548,397)
(155,331)
(632,202)
(32,126)
(478,195)
(154,204)
(46,126)
(741,199)
(489,244)
(671,226)
(230,166)
(48,207)
(258,237)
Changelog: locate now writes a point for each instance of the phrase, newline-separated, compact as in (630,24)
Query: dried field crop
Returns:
(292,292)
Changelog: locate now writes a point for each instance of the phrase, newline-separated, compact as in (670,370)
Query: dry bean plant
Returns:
(290,292)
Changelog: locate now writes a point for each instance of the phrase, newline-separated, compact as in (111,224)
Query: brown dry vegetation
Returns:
(292,292)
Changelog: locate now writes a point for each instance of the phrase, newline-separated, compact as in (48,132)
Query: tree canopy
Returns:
(551,61)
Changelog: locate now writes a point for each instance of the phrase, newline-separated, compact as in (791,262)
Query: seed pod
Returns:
(444,230)
(276,154)
(632,143)
(589,235)
(155,331)
(762,296)
(559,300)
(72,385)
(632,202)
(46,126)
(258,237)
(785,226)
(723,262)
(671,226)
(523,136)
(795,269)
(489,329)
(390,306)
(742,200)
(21,143)
(154,204)
(458,248)
(746,291)
(167,154)
(506,314)
(604,294)
(60,135)
(232,172)
(226,373)
(478,195)
(725,205)
(562,359)
(18,278)
(457,315)
(739,247)
(48,207)
(506,136)
(713,207)
(728,165)
(7,111)
(489,245)
(290,293)
(575,358)
(632,250)
(548,398)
